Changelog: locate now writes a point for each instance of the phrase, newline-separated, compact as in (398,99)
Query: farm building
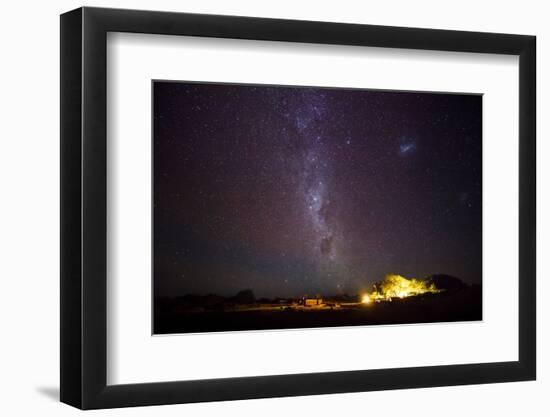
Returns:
(311,302)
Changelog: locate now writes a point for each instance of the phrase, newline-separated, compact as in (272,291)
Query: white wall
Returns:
(29,176)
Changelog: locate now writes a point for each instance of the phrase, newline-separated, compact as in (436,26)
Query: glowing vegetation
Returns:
(397,286)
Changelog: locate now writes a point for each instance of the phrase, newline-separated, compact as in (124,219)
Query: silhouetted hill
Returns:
(446,282)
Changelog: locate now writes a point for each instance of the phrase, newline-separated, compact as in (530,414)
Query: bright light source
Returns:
(366,299)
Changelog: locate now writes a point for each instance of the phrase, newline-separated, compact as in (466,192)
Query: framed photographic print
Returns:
(257,207)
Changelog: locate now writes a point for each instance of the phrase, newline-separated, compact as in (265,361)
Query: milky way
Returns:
(290,191)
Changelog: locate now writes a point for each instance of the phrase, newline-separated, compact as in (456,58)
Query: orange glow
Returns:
(366,299)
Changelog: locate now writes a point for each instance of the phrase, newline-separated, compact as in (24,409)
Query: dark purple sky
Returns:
(288,191)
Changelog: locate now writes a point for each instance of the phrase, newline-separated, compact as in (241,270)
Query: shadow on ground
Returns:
(50,392)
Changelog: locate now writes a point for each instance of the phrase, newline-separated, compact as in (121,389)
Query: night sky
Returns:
(290,191)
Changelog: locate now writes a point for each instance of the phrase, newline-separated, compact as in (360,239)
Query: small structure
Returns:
(312,302)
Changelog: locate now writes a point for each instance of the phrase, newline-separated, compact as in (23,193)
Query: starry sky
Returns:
(304,190)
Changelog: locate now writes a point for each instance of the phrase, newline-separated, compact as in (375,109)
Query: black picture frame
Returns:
(84,207)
